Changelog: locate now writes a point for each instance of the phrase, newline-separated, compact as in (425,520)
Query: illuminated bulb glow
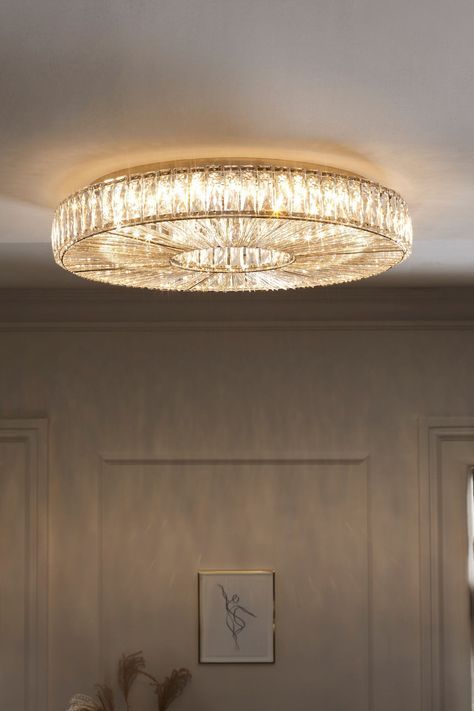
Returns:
(231,228)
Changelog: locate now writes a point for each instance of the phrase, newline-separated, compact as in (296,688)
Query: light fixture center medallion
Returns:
(231,226)
(224,260)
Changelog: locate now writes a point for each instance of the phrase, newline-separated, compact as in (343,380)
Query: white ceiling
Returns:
(381,87)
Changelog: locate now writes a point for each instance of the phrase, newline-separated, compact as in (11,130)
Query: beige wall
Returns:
(174,449)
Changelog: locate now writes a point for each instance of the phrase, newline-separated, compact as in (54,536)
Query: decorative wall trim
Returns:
(33,433)
(305,309)
(227,326)
(433,432)
(258,457)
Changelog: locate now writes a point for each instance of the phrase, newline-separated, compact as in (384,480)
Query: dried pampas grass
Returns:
(129,668)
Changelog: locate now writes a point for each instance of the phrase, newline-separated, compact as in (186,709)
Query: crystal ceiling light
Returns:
(231,226)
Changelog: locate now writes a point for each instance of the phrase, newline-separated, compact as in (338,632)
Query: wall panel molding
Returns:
(231,326)
(33,435)
(359,460)
(434,433)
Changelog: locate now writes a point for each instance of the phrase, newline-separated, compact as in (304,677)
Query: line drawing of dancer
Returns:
(234,622)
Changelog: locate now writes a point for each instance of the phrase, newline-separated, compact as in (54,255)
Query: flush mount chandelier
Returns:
(231,226)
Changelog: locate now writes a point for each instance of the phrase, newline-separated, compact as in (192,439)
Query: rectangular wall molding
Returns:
(32,436)
(136,515)
(434,435)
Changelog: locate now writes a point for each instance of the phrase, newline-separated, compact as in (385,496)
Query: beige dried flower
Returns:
(105,697)
(172,687)
(129,668)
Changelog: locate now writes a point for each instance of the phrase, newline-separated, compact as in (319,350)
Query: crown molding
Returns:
(334,307)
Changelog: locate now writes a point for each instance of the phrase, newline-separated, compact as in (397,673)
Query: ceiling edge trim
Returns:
(333,307)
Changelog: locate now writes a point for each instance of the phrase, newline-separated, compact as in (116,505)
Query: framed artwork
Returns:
(236,616)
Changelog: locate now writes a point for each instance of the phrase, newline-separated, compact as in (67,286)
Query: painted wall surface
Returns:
(171,451)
